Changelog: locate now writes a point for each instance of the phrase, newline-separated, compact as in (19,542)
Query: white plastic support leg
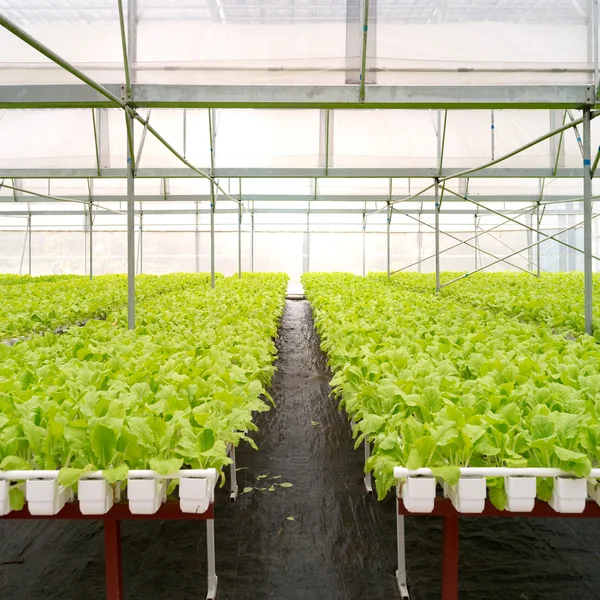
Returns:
(401,572)
(233,489)
(368,480)
(210,558)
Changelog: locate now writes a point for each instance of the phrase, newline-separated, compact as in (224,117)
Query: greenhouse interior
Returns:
(318,275)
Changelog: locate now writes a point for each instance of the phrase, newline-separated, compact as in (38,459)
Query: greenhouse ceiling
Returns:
(480,94)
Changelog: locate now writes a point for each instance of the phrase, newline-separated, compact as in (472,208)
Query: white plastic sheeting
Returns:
(265,138)
(315,42)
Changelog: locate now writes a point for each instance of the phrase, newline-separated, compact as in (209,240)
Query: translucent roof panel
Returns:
(84,32)
(482,41)
(233,41)
(306,41)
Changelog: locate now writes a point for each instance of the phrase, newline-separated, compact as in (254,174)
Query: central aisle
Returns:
(334,549)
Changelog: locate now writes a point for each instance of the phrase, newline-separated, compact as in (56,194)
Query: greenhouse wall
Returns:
(162,252)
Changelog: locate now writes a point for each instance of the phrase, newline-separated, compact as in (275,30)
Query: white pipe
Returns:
(401,472)
(210,474)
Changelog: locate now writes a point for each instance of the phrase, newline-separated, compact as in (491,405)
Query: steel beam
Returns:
(283,199)
(280,211)
(437,237)
(300,96)
(587,222)
(294,173)
(130,238)
(213,191)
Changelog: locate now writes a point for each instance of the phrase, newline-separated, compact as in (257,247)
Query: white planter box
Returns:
(418,494)
(46,496)
(593,488)
(569,495)
(96,497)
(145,495)
(469,495)
(4,498)
(194,495)
(520,493)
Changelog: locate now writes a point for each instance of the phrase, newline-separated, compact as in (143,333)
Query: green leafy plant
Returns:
(445,381)
(172,394)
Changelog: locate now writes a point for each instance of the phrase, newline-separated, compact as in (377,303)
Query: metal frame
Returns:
(132,96)
(112,537)
(300,96)
(443,508)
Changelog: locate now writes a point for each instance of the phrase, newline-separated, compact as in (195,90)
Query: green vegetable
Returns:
(172,394)
(495,372)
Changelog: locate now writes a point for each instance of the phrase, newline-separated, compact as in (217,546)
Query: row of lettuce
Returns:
(172,394)
(33,305)
(554,299)
(448,380)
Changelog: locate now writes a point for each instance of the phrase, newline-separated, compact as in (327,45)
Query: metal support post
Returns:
(450,559)
(539,225)
(363,54)
(23,252)
(212,235)
(493,130)
(197,241)
(401,571)
(29,242)
(212,135)
(364,245)
(419,244)
(240,239)
(437,236)
(112,554)
(475,239)
(210,555)
(587,222)
(91,241)
(368,479)
(140,244)
(233,486)
(252,243)
(389,220)
(130,235)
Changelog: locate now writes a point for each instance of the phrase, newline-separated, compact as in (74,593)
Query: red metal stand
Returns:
(450,559)
(112,555)
(443,508)
(112,534)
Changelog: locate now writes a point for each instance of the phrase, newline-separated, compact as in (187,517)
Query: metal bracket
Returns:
(368,479)
(212,589)
(590,95)
(124,96)
(233,486)
(402,587)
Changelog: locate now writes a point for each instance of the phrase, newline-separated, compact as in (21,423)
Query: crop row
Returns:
(554,299)
(37,304)
(171,394)
(438,381)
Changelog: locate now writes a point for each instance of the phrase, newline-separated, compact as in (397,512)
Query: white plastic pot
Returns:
(194,495)
(569,495)
(418,494)
(593,488)
(520,493)
(4,497)
(145,495)
(95,496)
(46,496)
(468,496)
